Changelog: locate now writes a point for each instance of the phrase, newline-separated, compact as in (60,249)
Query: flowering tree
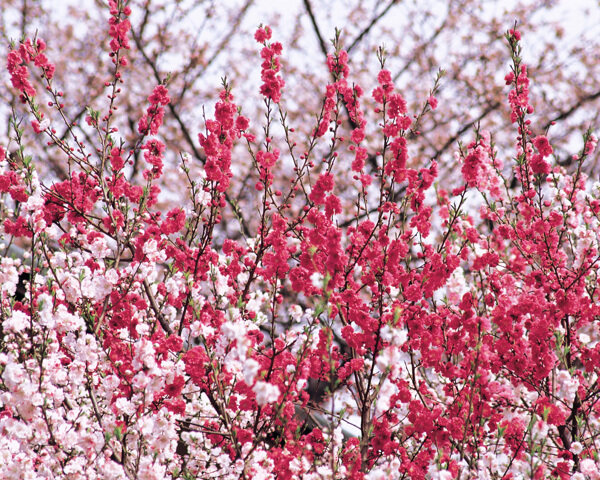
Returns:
(195,42)
(365,321)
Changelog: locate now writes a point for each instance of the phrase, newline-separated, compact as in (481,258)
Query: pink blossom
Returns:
(433,103)
(542,145)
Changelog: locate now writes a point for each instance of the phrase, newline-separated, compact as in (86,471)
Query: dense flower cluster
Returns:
(17,62)
(270,67)
(119,25)
(384,331)
(153,118)
(218,142)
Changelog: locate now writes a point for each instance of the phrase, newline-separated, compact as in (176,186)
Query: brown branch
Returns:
(234,27)
(567,113)
(313,20)
(373,22)
(157,312)
(421,48)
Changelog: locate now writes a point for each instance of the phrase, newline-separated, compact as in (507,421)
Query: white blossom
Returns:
(265,392)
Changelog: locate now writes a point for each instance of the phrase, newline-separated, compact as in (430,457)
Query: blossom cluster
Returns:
(18,60)
(270,67)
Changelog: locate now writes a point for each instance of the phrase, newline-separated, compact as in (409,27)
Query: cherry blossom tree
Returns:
(350,316)
(196,43)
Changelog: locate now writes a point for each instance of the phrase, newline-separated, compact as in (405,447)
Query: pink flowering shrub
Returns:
(386,329)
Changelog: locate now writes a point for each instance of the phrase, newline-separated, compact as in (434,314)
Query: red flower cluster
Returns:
(153,118)
(17,62)
(222,132)
(272,83)
(119,25)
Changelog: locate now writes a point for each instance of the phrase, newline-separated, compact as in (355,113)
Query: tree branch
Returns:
(373,22)
(313,20)
(567,113)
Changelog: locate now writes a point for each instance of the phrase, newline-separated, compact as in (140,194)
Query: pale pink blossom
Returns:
(266,392)
(17,322)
